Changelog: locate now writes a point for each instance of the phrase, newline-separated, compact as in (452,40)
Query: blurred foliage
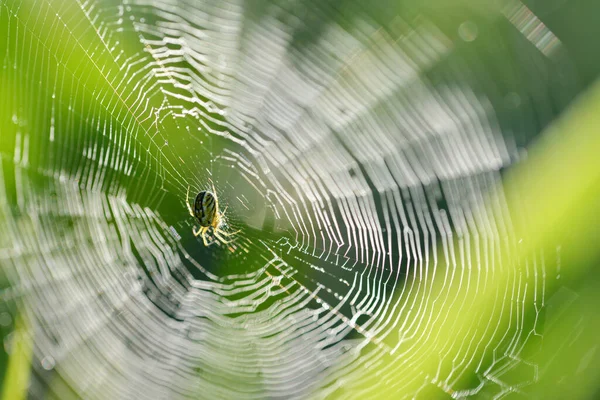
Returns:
(558,189)
(16,377)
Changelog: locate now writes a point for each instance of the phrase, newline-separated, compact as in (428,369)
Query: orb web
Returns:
(359,152)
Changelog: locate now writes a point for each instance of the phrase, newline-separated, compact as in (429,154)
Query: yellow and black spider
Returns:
(206,211)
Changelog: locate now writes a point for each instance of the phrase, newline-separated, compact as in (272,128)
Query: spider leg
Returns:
(228,233)
(218,233)
(202,233)
(221,238)
(187,202)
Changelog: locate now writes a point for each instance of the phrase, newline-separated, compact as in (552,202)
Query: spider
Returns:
(206,212)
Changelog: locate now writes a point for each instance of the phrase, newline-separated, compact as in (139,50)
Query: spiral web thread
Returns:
(360,161)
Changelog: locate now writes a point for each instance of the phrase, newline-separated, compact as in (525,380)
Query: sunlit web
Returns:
(354,148)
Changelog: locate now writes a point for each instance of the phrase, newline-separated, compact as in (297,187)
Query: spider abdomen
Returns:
(205,208)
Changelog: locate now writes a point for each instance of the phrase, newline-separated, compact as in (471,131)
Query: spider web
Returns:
(359,151)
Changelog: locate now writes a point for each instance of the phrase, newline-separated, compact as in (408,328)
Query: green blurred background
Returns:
(47,52)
